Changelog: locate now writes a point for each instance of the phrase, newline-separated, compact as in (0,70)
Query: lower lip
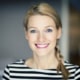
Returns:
(42,47)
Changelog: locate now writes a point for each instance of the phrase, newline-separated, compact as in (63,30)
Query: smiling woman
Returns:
(40,34)
(42,27)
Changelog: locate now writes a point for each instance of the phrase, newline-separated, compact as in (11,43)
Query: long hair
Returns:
(46,9)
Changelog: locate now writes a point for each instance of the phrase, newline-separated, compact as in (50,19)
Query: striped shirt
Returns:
(20,71)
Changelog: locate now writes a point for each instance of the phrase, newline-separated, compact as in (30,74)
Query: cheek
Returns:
(32,38)
(52,37)
(31,41)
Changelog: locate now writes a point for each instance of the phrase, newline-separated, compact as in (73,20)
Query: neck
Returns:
(45,62)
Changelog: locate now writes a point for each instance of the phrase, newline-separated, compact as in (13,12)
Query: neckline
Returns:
(36,68)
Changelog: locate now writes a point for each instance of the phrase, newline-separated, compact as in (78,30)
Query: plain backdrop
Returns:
(13,45)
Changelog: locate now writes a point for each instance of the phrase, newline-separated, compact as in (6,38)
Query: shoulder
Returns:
(71,66)
(73,69)
(17,63)
(14,65)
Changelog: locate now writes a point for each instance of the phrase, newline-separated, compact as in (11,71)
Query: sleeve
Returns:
(77,73)
(5,75)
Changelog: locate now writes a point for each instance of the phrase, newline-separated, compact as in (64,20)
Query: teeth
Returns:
(41,45)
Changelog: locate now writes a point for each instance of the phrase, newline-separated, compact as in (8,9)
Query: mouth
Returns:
(42,45)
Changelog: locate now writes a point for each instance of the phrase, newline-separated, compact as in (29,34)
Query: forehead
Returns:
(40,20)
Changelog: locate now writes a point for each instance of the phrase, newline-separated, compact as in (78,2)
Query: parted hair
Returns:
(48,10)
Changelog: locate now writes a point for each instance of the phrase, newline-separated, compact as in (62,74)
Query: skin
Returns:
(42,36)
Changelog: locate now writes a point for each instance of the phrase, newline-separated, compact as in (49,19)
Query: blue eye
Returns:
(32,31)
(49,30)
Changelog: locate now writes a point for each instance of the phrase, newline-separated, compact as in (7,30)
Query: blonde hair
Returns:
(42,9)
(46,9)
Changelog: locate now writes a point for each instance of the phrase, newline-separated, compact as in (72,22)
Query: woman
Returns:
(42,30)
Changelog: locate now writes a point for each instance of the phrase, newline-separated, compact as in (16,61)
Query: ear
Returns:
(26,34)
(59,33)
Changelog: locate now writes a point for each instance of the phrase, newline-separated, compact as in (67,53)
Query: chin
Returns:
(41,53)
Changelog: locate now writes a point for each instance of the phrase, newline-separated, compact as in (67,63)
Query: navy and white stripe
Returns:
(19,71)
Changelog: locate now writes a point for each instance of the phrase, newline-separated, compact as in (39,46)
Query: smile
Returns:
(41,45)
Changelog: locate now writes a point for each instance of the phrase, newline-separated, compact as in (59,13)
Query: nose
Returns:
(41,37)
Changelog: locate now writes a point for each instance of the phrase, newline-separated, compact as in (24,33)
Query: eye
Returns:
(49,30)
(33,31)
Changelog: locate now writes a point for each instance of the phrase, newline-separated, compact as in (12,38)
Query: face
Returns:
(42,34)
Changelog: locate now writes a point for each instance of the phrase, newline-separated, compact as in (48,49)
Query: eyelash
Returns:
(49,30)
(34,31)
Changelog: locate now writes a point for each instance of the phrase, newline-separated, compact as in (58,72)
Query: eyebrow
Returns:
(31,27)
(44,26)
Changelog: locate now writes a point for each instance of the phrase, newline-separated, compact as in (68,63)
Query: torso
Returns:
(20,71)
